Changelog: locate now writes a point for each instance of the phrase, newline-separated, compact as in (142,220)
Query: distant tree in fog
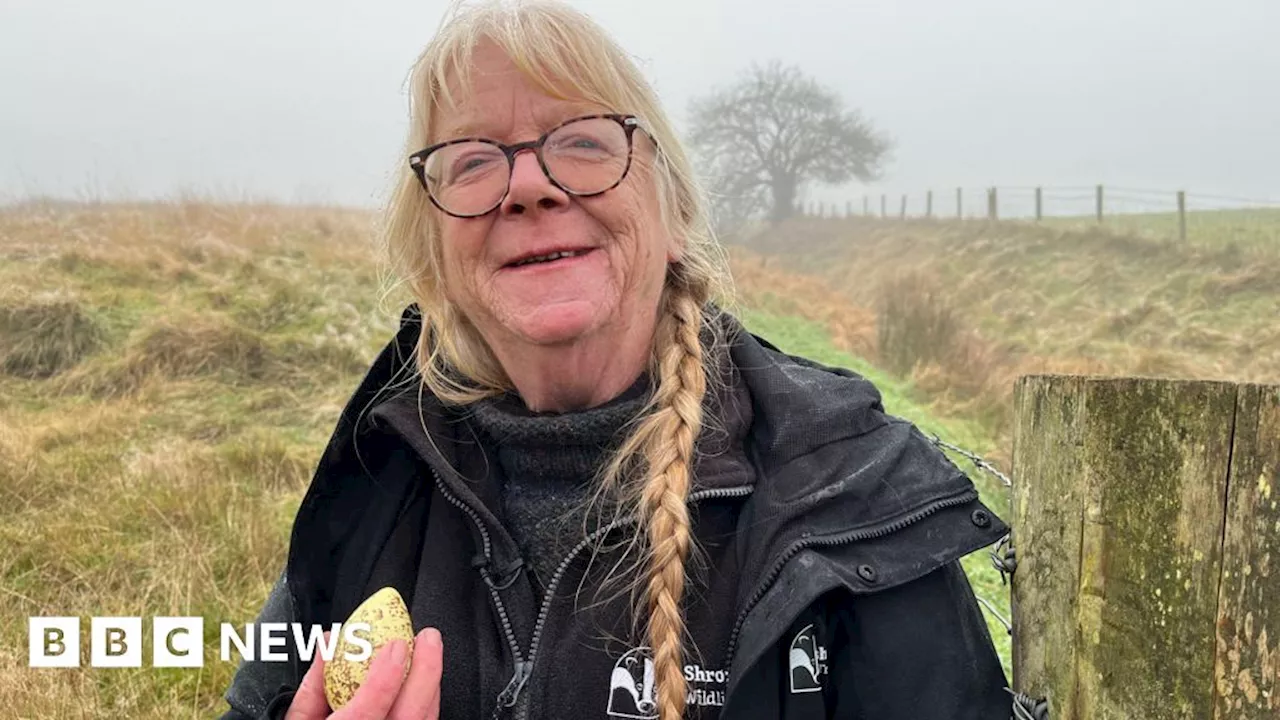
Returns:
(775,129)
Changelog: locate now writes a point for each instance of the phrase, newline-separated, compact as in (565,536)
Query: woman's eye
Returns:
(470,164)
(579,142)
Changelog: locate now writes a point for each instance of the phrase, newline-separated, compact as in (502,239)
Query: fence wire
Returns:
(1004,559)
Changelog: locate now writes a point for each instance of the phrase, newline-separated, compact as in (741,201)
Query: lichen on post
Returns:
(1247,673)
(1121,490)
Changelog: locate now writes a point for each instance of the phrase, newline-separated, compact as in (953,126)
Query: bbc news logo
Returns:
(178,642)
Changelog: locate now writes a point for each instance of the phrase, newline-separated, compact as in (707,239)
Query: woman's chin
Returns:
(558,323)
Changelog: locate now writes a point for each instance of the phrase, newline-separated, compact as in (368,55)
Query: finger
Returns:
(420,694)
(309,701)
(378,691)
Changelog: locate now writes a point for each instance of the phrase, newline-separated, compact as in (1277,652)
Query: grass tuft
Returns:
(915,324)
(41,339)
(199,346)
(177,349)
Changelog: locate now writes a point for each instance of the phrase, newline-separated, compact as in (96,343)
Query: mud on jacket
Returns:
(826,585)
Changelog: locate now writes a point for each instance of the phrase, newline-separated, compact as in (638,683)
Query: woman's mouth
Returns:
(556,258)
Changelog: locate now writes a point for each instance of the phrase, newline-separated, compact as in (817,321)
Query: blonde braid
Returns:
(676,421)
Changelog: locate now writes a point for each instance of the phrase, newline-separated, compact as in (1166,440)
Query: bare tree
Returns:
(774,130)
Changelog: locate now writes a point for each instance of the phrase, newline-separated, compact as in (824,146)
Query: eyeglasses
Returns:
(584,156)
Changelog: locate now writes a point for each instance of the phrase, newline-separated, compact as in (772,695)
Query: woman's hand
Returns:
(386,694)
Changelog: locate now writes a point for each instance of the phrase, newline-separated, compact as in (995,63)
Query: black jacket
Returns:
(827,582)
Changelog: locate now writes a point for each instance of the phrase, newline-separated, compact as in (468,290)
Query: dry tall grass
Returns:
(45,336)
(916,324)
(764,282)
(169,374)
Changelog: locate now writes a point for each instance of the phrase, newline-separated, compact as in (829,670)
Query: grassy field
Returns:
(168,376)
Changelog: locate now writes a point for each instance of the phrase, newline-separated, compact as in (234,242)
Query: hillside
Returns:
(966,307)
(168,377)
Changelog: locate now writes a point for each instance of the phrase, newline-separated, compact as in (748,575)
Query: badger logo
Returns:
(807,660)
(631,687)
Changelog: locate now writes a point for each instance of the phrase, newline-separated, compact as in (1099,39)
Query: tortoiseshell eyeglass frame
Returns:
(418,160)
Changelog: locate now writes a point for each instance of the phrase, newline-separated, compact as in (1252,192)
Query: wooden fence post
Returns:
(1039,204)
(883,206)
(993,205)
(1182,215)
(1248,615)
(902,211)
(1099,203)
(960,203)
(1145,517)
(928,204)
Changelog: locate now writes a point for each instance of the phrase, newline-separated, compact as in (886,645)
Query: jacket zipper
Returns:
(831,540)
(522,711)
(523,669)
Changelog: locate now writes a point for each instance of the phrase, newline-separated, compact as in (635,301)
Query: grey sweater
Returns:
(549,462)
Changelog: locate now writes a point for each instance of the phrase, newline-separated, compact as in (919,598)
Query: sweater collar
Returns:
(568,446)
(441,433)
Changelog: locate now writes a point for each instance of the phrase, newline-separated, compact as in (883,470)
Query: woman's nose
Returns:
(530,187)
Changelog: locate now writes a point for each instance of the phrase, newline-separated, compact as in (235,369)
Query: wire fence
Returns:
(1004,559)
(1172,215)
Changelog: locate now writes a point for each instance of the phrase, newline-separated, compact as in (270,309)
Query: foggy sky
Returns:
(304,101)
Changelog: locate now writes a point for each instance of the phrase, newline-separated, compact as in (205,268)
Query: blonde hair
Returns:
(568,56)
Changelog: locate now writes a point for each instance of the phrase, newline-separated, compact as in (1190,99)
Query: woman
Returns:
(607,497)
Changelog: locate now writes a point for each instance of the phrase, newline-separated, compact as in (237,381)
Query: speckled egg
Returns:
(388,620)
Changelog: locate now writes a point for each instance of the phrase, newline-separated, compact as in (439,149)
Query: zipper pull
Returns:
(507,698)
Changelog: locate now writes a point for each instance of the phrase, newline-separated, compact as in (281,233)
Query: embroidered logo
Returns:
(808,661)
(632,686)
